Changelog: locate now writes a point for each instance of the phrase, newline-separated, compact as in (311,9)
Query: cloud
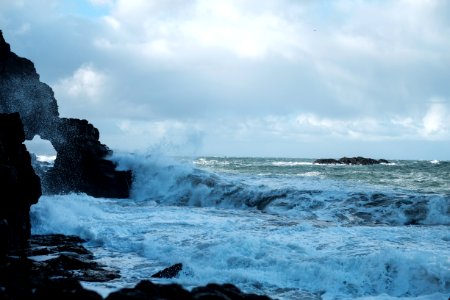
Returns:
(245,71)
(85,88)
(436,122)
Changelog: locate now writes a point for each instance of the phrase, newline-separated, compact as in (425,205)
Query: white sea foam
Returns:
(434,161)
(282,256)
(309,174)
(287,236)
(165,181)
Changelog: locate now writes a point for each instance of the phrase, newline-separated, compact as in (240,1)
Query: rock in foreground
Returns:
(53,266)
(146,290)
(20,187)
(57,263)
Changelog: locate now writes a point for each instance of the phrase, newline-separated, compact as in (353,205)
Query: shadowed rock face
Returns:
(81,164)
(21,91)
(81,155)
(19,185)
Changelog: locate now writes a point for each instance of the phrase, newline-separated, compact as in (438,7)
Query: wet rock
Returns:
(82,163)
(63,288)
(169,272)
(327,161)
(20,187)
(148,290)
(66,257)
(222,292)
(351,161)
(53,269)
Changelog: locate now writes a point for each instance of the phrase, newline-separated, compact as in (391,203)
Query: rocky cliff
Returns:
(19,185)
(82,163)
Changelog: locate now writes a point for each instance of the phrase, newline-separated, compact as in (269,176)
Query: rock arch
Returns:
(82,163)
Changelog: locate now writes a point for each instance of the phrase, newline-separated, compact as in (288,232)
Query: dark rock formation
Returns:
(169,272)
(56,263)
(327,161)
(146,290)
(21,91)
(224,291)
(66,258)
(351,161)
(82,163)
(54,276)
(149,291)
(19,185)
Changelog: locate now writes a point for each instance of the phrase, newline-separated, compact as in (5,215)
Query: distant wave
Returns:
(168,182)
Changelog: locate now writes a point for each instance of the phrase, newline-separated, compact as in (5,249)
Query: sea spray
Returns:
(242,183)
(330,236)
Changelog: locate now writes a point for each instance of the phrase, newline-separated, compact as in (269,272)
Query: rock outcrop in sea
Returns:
(350,161)
(82,163)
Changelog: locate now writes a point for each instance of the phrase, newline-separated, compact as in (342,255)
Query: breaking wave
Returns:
(166,181)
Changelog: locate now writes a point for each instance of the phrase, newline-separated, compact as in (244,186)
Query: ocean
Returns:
(283,227)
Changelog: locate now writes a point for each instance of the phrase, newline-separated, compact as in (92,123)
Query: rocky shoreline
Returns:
(52,266)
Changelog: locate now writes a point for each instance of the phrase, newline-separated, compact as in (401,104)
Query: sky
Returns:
(278,78)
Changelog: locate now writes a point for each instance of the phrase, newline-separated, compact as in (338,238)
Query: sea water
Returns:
(287,228)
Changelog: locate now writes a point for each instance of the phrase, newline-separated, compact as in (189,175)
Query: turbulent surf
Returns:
(288,228)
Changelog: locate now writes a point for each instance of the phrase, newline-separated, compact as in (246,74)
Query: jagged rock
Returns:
(21,91)
(169,272)
(351,161)
(66,257)
(222,292)
(82,163)
(57,275)
(19,185)
(63,288)
(327,161)
(148,290)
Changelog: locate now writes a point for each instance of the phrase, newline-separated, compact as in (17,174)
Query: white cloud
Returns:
(244,70)
(85,89)
(436,122)
(190,27)
(86,82)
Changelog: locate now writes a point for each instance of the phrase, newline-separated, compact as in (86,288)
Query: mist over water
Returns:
(283,227)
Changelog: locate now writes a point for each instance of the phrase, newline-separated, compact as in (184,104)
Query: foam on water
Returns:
(259,252)
(167,182)
(280,234)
